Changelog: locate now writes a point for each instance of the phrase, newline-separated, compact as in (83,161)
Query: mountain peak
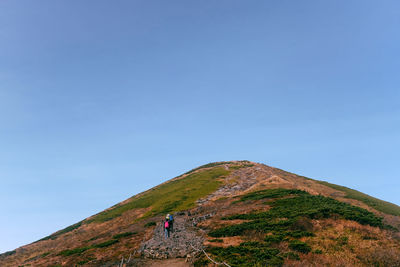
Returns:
(235,211)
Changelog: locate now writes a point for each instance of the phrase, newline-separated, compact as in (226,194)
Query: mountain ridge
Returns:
(201,196)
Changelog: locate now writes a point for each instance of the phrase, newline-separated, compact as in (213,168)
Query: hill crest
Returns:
(201,197)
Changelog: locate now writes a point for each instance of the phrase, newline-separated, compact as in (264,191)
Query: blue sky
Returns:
(101,100)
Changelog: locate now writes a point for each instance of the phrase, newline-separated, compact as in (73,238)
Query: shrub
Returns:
(343,240)
(248,254)
(149,224)
(271,193)
(317,251)
(69,252)
(299,246)
(122,235)
(105,244)
(292,256)
(274,238)
(216,240)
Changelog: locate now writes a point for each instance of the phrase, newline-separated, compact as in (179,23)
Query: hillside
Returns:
(239,212)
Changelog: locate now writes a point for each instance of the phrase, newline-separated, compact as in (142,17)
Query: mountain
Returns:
(238,213)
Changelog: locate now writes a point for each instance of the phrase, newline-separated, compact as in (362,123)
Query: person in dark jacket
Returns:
(171,223)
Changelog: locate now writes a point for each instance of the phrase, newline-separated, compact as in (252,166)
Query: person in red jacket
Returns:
(166,228)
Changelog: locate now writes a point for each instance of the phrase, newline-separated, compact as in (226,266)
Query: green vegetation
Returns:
(122,235)
(78,251)
(380,205)
(304,205)
(149,224)
(8,253)
(271,193)
(317,251)
(63,231)
(216,240)
(69,252)
(299,246)
(248,254)
(45,254)
(82,262)
(105,244)
(288,219)
(291,255)
(175,195)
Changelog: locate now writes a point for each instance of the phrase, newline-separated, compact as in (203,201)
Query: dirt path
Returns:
(169,263)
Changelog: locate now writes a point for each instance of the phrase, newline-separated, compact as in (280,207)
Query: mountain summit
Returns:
(237,213)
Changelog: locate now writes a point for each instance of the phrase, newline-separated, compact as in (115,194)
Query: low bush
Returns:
(299,246)
(216,240)
(122,235)
(248,254)
(291,255)
(69,252)
(105,244)
(149,224)
(272,193)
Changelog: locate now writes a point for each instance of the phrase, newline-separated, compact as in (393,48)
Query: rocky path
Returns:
(179,245)
(169,263)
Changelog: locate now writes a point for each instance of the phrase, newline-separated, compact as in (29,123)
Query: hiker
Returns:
(166,228)
(171,223)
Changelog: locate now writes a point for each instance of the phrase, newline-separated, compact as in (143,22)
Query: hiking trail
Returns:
(178,245)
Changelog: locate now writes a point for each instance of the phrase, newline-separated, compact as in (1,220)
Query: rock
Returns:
(180,242)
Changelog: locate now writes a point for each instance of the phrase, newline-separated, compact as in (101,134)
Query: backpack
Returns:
(166,224)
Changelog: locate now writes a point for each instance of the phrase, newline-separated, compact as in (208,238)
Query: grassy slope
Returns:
(285,226)
(172,196)
(175,195)
(380,205)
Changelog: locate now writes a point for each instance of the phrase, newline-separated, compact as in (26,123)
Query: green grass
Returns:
(172,196)
(380,205)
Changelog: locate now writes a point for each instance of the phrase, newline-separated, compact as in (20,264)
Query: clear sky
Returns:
(100,100)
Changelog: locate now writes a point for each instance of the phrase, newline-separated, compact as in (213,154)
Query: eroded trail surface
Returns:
(169,263)
(183,241)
